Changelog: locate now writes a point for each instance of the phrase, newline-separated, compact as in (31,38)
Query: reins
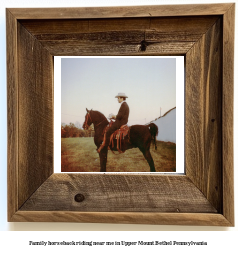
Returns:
(100,122)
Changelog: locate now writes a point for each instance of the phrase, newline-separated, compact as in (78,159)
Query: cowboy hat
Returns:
(121,95)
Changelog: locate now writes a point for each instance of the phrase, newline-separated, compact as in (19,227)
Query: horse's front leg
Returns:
(103,160)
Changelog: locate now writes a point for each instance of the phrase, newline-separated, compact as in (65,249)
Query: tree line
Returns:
(71,131)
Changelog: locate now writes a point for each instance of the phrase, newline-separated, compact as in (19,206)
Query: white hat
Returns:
(121,95)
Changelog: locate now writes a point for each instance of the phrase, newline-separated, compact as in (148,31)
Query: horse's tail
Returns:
(154,130)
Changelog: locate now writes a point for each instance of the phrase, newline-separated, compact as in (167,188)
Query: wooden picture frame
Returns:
(204,34)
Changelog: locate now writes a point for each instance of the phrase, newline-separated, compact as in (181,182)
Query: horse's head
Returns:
(88,120)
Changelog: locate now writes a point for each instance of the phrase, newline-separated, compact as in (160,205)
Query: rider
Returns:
(121,119)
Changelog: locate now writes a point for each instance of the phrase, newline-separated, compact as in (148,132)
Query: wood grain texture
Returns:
(35,111)
(204,114)
(227,113)
(189,26)
(72,48)
(117,193)
(174,36)
(121,12)
(12,114)
(190,219)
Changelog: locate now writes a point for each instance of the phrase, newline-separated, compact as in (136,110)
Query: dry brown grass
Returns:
(79,155)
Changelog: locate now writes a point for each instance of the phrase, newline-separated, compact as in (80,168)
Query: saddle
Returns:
(119,135)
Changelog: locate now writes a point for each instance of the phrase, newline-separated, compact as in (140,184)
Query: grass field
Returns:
(79,155)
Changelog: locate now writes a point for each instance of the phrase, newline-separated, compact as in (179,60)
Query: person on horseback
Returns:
(120,119)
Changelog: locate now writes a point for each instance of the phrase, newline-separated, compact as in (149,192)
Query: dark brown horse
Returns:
(139,136)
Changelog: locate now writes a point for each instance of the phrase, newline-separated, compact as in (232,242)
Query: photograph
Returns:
(118,114)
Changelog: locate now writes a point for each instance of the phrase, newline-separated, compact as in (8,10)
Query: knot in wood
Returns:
(143,45)
(79,198)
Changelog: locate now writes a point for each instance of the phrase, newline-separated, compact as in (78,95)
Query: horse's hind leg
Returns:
(149,159)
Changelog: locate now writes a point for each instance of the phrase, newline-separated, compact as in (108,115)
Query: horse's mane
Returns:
(100,115)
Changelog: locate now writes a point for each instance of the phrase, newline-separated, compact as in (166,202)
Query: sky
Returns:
(93,83)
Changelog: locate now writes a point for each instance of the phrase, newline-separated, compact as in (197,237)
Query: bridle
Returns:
(86,121)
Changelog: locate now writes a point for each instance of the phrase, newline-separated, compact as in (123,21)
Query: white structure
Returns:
(167,126)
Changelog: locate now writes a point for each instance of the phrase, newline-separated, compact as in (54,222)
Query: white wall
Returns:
(167,127)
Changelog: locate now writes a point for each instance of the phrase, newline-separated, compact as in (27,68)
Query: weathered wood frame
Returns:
(204,34)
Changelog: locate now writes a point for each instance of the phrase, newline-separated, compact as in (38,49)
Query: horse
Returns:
(140,136)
